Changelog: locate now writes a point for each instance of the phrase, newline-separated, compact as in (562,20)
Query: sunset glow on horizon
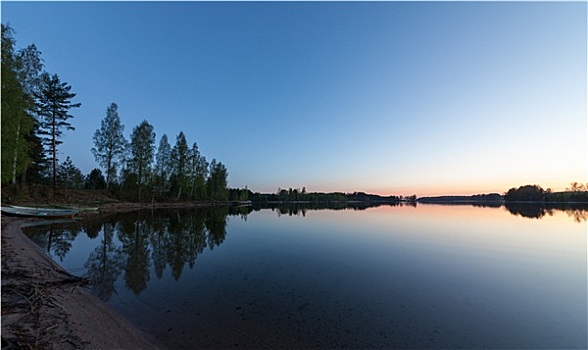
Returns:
(392,98)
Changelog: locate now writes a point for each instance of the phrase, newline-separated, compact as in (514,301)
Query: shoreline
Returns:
(121,207)
(45,307)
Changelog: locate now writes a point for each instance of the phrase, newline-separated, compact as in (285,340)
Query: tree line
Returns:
(137,166)
(36,109)
(577,192)
(294,195)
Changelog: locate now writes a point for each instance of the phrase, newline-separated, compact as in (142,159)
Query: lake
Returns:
(424,276)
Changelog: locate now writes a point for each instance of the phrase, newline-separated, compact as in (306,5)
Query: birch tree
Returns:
(198,172)
(109,143)
(29,68)
(142,149)
(217,181)
(180,158)
(163,162)
(20,72)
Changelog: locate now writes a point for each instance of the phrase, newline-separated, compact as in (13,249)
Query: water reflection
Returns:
(429,276)
(136,243)
(577,211)
(57,237)
(301,208)
(105,263)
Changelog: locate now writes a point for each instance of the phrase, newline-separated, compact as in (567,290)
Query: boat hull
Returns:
(39,212)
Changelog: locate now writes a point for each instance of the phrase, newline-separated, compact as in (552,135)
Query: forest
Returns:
(37,108)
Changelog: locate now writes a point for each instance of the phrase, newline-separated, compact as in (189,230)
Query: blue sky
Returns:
(382,97)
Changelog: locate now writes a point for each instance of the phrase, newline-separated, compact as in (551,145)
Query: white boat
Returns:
(39,212)
(57,208)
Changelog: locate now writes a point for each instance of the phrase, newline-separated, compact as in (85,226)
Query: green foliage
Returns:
(198,173)
(216,184)
(30,66)
(236,194)
(37,170)
(180,173)
(95,180)
(16,106)
(180,157)
(36,111)
(69,176)
(162,164)
(109,143)
(142,151)
(130,182)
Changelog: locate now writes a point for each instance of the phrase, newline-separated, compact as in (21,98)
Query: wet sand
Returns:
(44,307)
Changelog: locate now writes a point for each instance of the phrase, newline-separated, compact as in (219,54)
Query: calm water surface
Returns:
(429,276)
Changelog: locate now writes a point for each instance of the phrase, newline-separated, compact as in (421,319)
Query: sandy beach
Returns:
(44,307)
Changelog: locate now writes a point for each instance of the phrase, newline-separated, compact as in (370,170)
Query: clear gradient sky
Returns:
(382,97)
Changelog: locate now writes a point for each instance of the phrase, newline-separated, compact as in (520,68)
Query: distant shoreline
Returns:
(45,196)
(465,201)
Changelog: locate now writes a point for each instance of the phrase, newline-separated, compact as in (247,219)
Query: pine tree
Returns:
(95,180)
(69,175)
(54,103)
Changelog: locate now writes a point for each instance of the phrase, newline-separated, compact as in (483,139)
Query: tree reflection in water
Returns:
(57,237)
(136,242)
(134,236)
(577,211)
(155,239)
(105,263)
